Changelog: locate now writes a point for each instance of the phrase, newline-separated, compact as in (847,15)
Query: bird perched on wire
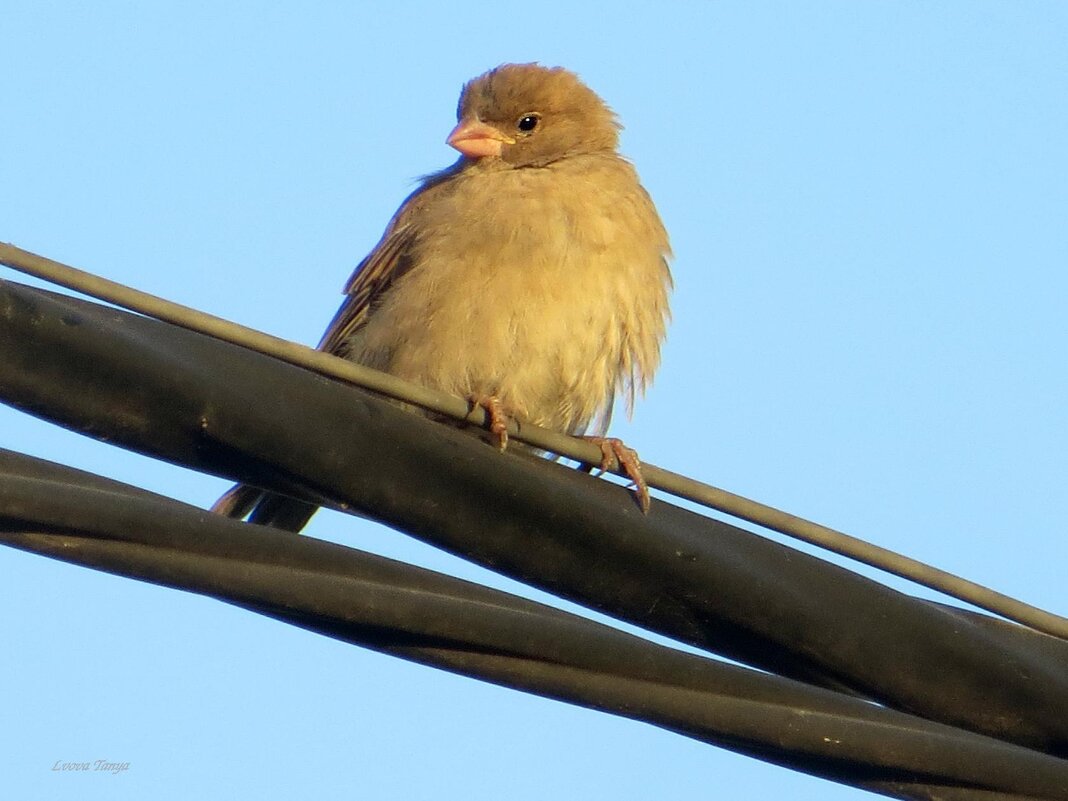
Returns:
(529,277)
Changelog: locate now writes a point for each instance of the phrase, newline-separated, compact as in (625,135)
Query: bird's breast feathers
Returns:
(545,286)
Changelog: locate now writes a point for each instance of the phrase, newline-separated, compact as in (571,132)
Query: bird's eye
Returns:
(528,122)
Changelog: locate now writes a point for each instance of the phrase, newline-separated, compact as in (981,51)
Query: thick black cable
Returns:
(681,486)
(475,631)
(215,407)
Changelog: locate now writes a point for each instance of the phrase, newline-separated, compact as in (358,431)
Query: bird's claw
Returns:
(496,417)
(616,455)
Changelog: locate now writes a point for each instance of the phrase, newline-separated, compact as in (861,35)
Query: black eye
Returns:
(528,122)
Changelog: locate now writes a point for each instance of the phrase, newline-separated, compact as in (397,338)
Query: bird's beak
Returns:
(476,139)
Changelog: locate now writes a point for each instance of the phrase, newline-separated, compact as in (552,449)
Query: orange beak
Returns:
(475,139)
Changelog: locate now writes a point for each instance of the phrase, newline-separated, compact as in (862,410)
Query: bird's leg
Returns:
(498,419)
(614,454)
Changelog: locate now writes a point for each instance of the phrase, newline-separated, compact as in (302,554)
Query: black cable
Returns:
(193,400)
(682,486)
(487,634)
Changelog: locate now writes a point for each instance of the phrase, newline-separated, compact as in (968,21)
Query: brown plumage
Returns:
(530,276)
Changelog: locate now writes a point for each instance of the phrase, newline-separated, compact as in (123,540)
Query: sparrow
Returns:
(530,277)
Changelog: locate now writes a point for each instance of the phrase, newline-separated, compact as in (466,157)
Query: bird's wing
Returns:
(391,258)
(603,419)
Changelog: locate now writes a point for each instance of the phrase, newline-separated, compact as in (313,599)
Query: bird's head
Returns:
(527,115)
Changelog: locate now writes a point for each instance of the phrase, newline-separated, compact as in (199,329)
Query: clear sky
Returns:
(868,206)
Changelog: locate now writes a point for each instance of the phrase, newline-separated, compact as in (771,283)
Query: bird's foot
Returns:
(616,455)
(496,417)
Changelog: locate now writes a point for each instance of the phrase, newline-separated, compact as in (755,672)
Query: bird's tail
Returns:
(264,508)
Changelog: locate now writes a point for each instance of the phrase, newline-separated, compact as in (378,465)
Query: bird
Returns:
(530,277)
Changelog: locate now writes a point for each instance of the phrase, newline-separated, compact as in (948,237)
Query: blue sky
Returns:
(867,203)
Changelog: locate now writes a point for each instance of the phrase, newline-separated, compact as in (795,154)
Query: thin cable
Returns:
(581,451)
